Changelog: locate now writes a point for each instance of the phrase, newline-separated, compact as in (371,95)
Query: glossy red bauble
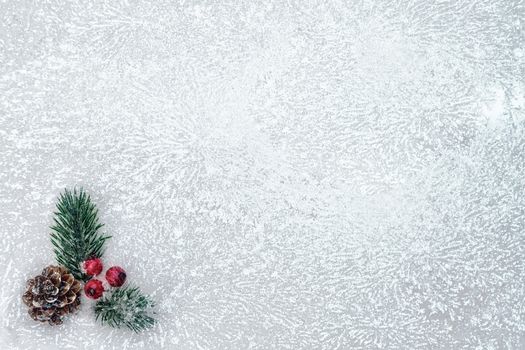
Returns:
(94,289)
(116,276)
(93,267)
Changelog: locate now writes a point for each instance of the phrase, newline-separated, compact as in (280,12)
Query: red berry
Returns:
(116,276)
(94,289)
(93,266)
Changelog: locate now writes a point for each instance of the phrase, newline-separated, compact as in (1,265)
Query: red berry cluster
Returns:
(115,276)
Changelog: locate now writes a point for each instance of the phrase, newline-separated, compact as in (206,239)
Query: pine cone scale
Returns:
(76,287)
(64,288)
(55,278)
(27,298)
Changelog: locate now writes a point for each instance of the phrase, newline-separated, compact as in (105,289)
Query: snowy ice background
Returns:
(277,174)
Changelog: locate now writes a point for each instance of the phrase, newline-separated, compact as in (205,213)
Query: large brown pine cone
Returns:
(52,294)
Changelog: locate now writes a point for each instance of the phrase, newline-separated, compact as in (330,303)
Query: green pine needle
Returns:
(75,235)
(125,307)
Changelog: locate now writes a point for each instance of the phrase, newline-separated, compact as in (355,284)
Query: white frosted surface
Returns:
(278,175)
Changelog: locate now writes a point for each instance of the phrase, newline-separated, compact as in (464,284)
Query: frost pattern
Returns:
(278,175)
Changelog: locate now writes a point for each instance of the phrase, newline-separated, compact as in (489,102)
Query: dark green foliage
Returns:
(125,307)
(75,235)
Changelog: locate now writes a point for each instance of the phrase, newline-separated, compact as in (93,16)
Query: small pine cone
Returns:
(52,295)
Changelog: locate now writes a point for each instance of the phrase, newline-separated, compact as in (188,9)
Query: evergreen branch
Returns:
(75,235)
(125,307)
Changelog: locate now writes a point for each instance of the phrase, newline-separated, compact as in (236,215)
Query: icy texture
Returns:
(280,175)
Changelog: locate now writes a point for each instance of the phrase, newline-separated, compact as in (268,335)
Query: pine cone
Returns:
(52,294)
